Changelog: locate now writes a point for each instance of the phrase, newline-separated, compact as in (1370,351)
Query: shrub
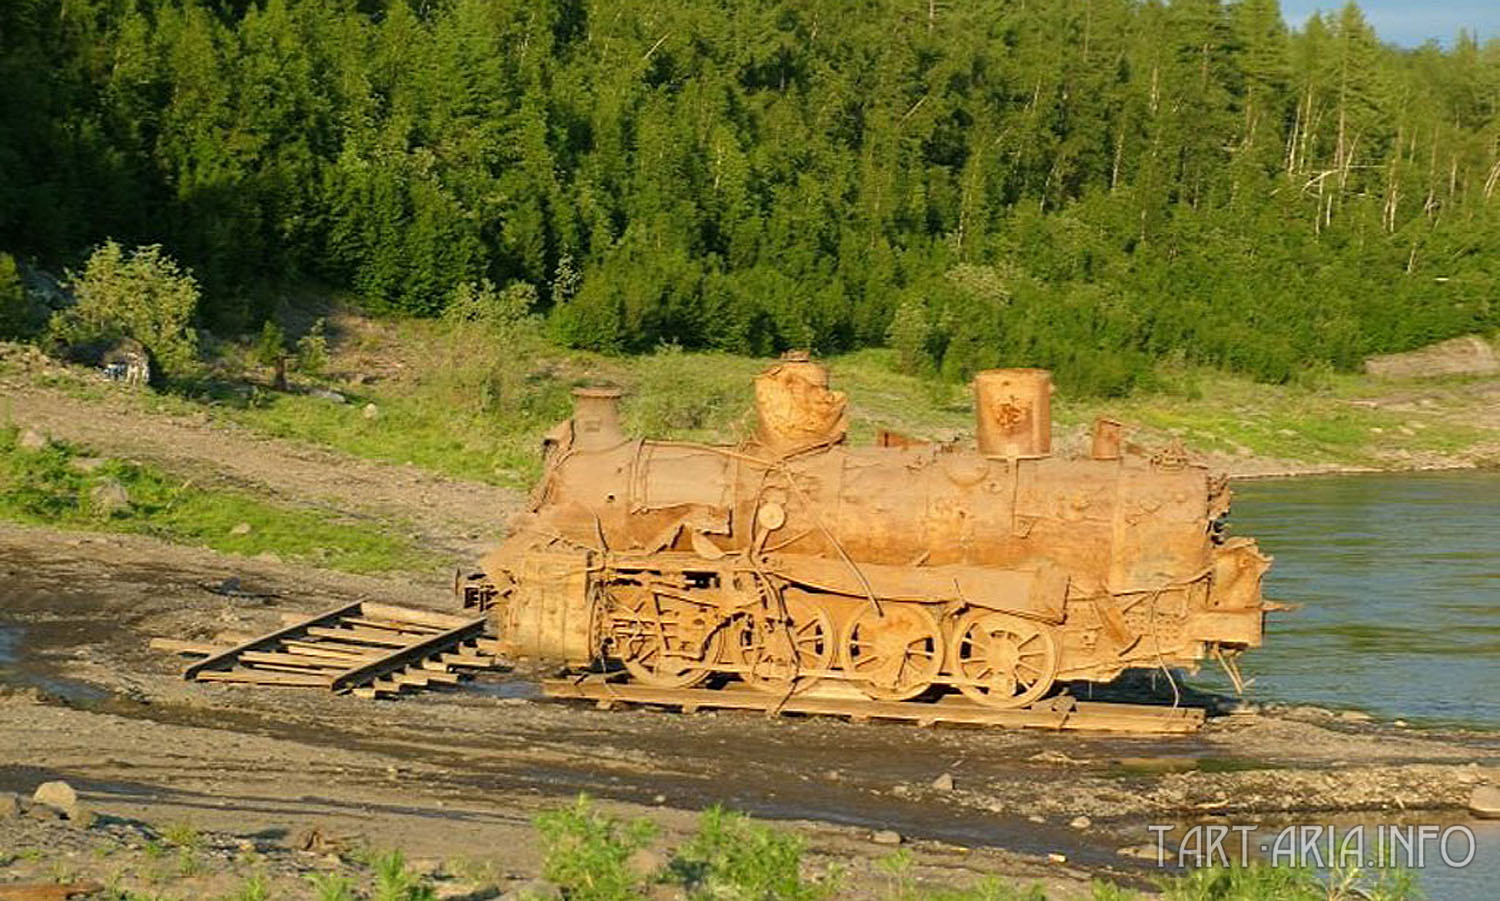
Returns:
(312,349)
(394,882)
(15,312)
(587,853)
(143,295)
(271,344)
(734,857)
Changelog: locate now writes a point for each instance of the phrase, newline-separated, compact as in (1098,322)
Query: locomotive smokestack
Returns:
(1108,435)
(1013,412)
(794,407)
(596,418)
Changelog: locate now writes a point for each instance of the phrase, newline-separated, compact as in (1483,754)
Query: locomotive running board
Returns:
(1057,714)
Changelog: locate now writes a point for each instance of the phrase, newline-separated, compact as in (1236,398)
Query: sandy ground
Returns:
(458,775)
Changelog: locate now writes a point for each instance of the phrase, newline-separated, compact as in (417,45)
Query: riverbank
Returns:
(454,779)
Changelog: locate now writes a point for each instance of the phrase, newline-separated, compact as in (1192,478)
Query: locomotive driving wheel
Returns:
(1003,660)
(664,641)
(896,653)
(776,650)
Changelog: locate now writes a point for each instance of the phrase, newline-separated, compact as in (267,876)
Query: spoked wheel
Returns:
(664,641)
(775,651)
(895,654)
(1003,660)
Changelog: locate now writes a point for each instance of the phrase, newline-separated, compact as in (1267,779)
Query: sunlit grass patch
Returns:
(61,486)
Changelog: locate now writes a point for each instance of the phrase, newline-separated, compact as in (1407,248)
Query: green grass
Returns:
(60,486)
(472,411)
(471,400)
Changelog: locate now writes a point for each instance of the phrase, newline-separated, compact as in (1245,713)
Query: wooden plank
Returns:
(391,626)
(330,649)
(379,637)
(228,656)
(259,678)
(419,650)
(1096,717)
(281,658)
(413,615)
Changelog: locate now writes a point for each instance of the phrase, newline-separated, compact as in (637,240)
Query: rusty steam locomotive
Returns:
(795,561)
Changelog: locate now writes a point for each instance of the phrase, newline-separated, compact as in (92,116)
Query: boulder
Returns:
(1485,802)
(108,496)
(57,795)
(886,837)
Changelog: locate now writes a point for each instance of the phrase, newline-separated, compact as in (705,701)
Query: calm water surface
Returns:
(1398,578)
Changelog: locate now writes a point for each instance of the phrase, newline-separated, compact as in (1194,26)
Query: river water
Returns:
(1398,582)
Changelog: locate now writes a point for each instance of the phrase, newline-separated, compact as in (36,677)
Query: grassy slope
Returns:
(472,401)
(473,404)
(59,485)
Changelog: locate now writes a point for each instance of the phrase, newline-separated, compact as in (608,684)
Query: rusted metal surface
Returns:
(373,650)
(902,571)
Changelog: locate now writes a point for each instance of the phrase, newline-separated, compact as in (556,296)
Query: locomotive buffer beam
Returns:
(1056,714)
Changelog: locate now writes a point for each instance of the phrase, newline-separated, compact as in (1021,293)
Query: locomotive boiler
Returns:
(796,562)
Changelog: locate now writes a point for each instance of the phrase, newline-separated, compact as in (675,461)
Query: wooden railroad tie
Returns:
(367,649)
(1059,714)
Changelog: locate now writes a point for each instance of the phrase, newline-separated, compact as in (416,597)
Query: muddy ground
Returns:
(458,775)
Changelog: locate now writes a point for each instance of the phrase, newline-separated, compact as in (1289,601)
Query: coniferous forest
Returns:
(1090,185)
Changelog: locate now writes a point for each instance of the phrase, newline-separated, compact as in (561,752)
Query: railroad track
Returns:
(367,649)
(1061,713)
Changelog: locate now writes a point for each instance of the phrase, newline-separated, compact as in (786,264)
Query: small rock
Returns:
(659,799)
(886,837)
(1037,818)
(32,440)
(58,795)
(1057,857)
(943,783)
(109,496)
(1485,802)
(370,412)
(243,528)
(1141,852)
(326,394)
(85,464)
(267,557)
(1355,716)
(901,789)
(534,890)
(833,775)
(10,805)
(1080,822)
(1400,724)
(646,862)
(81,817)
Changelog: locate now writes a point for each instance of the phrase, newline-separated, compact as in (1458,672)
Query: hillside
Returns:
(1092,187)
